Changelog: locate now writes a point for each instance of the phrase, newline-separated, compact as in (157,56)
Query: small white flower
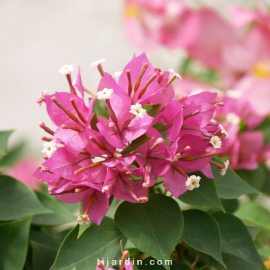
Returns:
(224,170)
(49,148)
(117,74)
(137,110)
(233,119)
(193,182)
(216,142)
(83,220)
(105,189)
(104,94)
(223,131)
(98,62)
(175,74)
(66,69)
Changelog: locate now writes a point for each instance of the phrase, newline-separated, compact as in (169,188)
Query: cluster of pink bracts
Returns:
(237,49)
(92,157)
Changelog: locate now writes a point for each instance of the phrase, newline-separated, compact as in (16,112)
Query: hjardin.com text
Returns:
(128,261)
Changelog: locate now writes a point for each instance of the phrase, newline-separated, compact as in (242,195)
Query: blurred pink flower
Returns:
(244,145)
(151,23)
(23,171)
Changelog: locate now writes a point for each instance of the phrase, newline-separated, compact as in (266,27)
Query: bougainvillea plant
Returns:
(134,154)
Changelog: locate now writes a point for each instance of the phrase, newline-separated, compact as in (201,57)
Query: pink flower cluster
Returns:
(131,133)
(238,48)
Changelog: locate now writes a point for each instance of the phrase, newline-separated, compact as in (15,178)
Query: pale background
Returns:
(39,36)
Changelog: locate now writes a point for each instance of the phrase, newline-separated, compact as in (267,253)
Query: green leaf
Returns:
(4,135)
(201,232)
(14,243)
(42,256)
(206,195)
(264,126)
(94,121)
(60,214)
(97,242)
(230,205)
(235,263)
(14,155)
(264,253)
(266,187)
(151,110)
(175,265)
(101,109)
(153,227)
(235,238)
(255,214)
(43,238)
(17,200)
(255,178)
(230,186)
(136,144)
(253,231)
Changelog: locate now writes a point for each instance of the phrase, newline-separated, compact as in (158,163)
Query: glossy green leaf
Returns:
(151,110)
(151,263)
(14,244)
(17,200)
(42,256)
(255,214)
(235,238)
(136,144)
(255,178)
(97,242)
(101,109)
(206,195)
(201,232)
(264,126)
(153,227)
(59,214)
(230,186)
(4,135)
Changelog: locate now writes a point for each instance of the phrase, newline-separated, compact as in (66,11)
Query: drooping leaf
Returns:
(236,240)
(264,126)
(206,195)
(101,109)
(42,256)
(255,178)
(59,214)
(151,110)
(17,200)
(14,243)
(201,232)
(4,135)
(255,214)
(151,263)
(146,225)
(230,186)
(136,144)
(97,242)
